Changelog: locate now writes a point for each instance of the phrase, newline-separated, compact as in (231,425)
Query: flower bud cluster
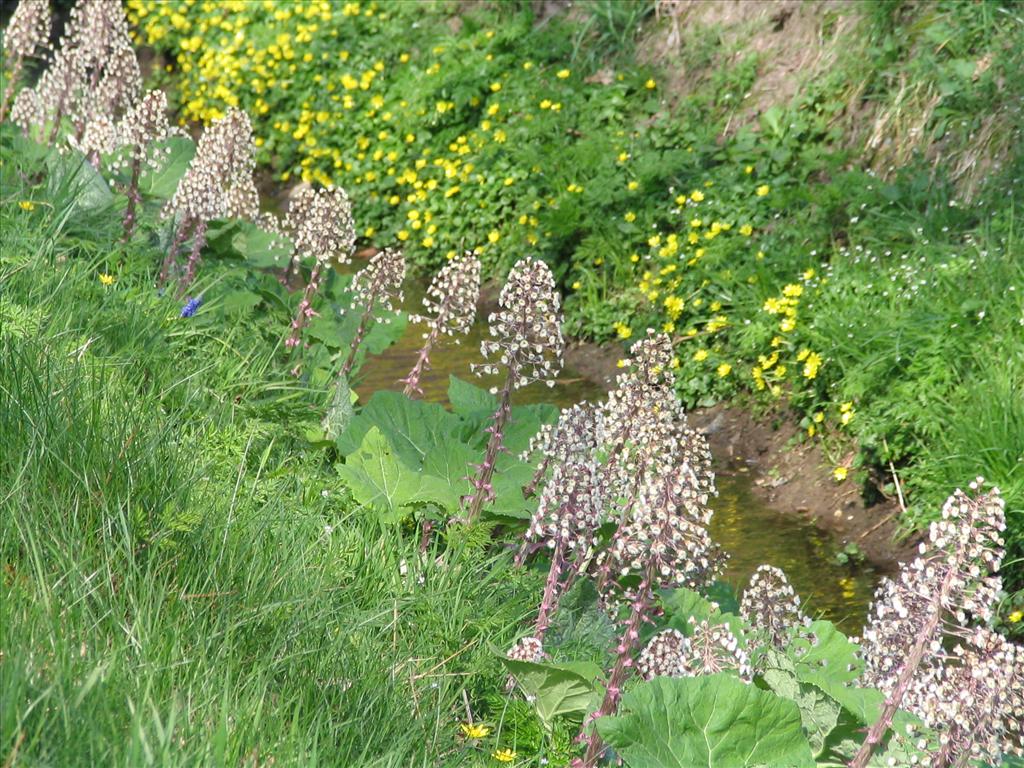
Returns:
(527,328)
(378,285)
(571,507)
(665,535)
(219,180)
(527,649)
(771,606)
(28,32)
(451,299)
(974,701)
(644,424)
(952,580)
(321,226)
(710,648)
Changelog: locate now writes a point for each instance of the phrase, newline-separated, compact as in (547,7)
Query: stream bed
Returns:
(748,530)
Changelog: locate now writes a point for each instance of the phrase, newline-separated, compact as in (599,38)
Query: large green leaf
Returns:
(413,427)
(567,690)
(819,713)
(450,461)
(72,174)
(470,402)
(716,721)
(380,480)
(163,182)
(260,248)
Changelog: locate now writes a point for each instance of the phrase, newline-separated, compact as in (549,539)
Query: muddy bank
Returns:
(789,476)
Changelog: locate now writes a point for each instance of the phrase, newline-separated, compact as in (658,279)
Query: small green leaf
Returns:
(380,480)
(567,690)
(164,182)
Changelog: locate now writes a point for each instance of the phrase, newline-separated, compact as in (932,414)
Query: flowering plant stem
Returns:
(483,491)
(133,198)
(910,666)
(172,252)
(553,590)
(364,325)
(412,381)
(639,609)
(305,307)
(13,76)
(198,241)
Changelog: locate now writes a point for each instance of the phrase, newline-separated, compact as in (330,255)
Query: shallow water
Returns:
(749,531)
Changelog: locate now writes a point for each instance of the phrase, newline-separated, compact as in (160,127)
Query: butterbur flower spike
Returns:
(952,582)
(378,286)
(218,183)
(26,37)
(771,606)
(450,306)
(664,541)
(143,126)
(974,701)
(711,648)
(322,230)
(527,341)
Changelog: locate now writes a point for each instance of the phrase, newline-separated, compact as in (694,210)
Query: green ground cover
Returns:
(872,284)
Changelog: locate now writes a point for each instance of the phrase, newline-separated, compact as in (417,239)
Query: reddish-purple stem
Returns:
(412,381)
(623,665)
(364,324)
(305,310)
(483,491)
(180,234)
(198,241)
(133,198)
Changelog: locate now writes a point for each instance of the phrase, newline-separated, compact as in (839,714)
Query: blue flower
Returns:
(192,306)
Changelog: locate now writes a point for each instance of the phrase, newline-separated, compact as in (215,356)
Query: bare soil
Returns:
(789,476)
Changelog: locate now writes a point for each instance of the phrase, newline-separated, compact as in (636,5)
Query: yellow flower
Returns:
(403,235)
(633,185)
(700,355)
(623,330)
(808,273)
(27,205)
(650,85)
(563,73)
(724,370)
(696,195)
(819,417)
(495,87)
(505,755)
(576,285)
(493,236)
(630,216)
(749,169)
(106,279)
(839,474)
(1015,617)
(472,731)
(746,230)
(763,190)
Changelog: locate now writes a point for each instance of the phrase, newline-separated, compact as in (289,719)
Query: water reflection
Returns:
(752,533)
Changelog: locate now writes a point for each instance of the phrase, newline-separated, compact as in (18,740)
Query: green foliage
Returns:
(714,720)
(558,690)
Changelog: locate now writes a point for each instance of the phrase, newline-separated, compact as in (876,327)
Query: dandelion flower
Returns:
(504,755)
(27,205)
(106,279)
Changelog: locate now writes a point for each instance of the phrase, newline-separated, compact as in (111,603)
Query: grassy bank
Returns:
(835,231)
(187,581)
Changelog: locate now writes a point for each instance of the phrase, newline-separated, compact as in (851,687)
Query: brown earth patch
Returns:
(790,476)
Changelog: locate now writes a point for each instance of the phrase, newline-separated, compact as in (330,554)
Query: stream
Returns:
(749,531)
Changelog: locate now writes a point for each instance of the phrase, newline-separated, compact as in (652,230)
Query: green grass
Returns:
(185,581)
